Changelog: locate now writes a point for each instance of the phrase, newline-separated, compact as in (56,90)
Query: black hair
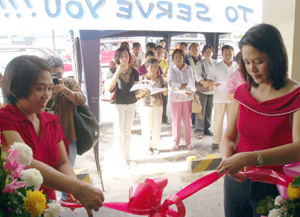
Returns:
(136,44)
(124,43)
(267,39)
(19,76)
(227,47)
(177,51)
(151,45)
(118,53)
(183,43)
(149,53)
(151,62)
(238,58)
(193,44)
(159,46)
(207,46)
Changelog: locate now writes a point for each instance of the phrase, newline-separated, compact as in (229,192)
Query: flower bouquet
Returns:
(19,187)
(282,206)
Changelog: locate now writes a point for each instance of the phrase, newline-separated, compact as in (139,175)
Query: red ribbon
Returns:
(267,176)
(145,198)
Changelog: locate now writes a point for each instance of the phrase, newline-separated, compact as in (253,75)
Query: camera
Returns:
(55,79)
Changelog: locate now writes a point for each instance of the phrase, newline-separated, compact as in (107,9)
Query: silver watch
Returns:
(260,159)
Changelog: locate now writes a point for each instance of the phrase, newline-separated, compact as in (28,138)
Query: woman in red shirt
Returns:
(264,121)
(27,87)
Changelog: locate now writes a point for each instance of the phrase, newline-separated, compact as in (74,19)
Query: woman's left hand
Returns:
(233,164)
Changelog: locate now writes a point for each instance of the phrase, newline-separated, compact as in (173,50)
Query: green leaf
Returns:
(296,182)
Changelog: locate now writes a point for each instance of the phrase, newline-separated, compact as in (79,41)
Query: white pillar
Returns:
(283,15)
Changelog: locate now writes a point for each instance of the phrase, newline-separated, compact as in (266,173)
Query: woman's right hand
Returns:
(89,196)
(183,86)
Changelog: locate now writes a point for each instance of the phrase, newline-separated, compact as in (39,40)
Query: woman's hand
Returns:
(122,68)
(183,86)
(89,196)
(165,93)
(233,164)
(202,81)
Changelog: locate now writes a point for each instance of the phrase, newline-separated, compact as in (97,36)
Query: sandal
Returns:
(176,147)
(198,136)
(190,147)
(214,146)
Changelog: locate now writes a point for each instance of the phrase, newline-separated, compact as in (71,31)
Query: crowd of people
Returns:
(188,73)
(262,106)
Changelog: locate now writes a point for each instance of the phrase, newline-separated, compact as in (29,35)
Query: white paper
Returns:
(153,90)
(184,91)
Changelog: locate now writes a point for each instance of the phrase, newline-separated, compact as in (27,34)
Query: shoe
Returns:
(124,164)
(214,146)
(209,133)
(155,151)
(176,147)
(149,152)
(190,147)
(165,122)
(131,163)
(198,136)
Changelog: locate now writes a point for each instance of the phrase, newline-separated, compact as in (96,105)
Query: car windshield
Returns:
(6,55)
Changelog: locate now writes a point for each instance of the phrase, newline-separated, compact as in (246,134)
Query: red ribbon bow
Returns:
(145,198)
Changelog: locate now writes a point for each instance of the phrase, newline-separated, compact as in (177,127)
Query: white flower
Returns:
(25,153)
(54,209)
(277,200)
(32,178)
(274,213)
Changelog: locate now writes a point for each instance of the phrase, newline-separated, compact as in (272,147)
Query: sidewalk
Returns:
(168,164)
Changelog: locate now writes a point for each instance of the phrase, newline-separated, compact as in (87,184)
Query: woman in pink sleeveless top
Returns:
(264,123)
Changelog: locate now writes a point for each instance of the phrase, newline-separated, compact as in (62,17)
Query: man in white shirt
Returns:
(138,56)
(217,78)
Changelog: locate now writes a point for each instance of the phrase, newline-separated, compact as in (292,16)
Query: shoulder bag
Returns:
(199,87)
(109,96)
(86,127)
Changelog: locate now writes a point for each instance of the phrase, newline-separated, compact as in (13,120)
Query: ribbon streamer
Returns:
(145,198)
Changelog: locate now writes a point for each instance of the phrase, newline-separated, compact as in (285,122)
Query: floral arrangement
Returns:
(19,187)
(282,207)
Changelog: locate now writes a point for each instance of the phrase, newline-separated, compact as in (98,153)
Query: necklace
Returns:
(126,76)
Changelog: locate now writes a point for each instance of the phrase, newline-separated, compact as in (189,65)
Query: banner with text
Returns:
(172,15)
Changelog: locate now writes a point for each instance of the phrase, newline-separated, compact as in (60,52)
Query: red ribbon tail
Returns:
(198,185)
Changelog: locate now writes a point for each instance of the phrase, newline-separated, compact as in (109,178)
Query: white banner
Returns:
(172,15)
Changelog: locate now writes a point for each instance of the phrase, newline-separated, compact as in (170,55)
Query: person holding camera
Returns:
(66,94)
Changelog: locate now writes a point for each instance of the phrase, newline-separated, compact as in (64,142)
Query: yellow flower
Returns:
(293,193)
(35,203)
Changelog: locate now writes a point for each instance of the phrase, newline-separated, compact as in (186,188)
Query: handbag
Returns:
(107,95)
(86,127)
(199,87)
(196,106)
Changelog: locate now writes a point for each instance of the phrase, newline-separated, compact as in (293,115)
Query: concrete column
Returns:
(285,15)
(296,48)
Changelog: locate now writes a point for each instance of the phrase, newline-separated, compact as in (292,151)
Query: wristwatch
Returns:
(260,159)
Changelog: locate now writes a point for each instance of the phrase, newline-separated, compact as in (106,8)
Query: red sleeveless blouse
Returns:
(264,125)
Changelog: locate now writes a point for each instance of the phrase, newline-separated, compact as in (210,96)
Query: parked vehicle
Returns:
(8,52)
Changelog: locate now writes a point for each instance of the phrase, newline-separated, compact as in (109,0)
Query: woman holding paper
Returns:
(181,83)
(152,107)
(123,79)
